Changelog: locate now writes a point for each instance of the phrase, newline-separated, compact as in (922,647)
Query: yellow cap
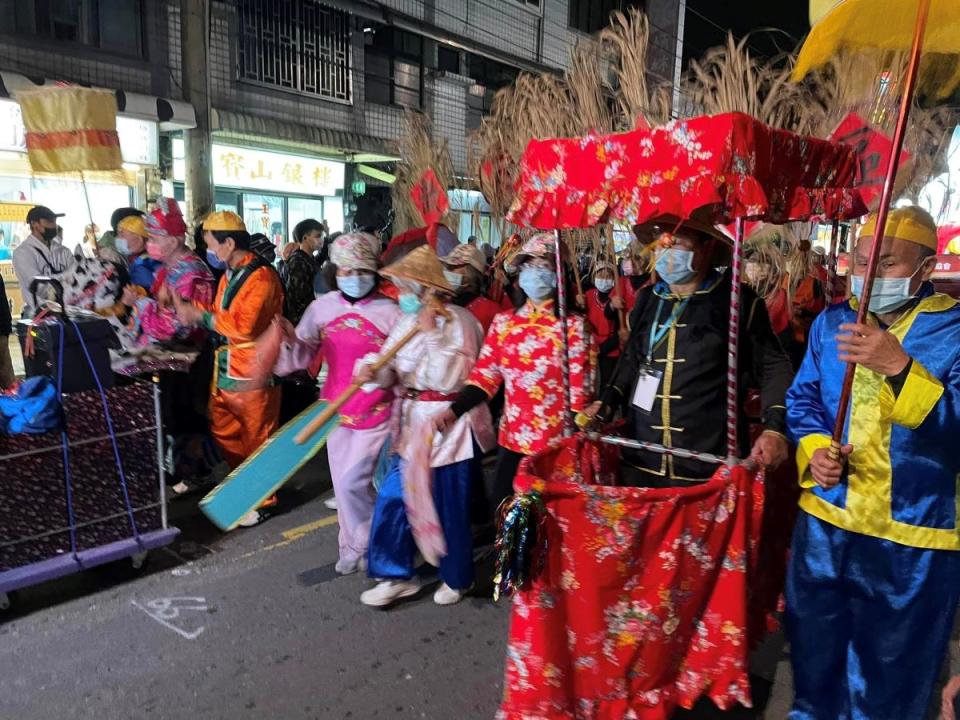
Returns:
(224,221)
(134,224)
(912,224)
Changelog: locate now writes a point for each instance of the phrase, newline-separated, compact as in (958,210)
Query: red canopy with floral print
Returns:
(733,164)
(642,605)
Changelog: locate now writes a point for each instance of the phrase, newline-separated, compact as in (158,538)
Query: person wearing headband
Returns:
(344,327)
(874,575)
(244,409)
(426,374)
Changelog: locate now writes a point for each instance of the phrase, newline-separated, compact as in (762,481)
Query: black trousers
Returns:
(500,485)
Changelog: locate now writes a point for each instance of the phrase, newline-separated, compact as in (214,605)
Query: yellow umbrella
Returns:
(886,26)
(853,26)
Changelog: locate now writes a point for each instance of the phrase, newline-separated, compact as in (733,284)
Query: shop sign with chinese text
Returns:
(275,172)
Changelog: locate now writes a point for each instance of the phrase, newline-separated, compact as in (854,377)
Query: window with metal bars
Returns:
(297,45)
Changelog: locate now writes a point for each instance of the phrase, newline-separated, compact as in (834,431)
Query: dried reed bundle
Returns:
(625,42)
(729,79)
(420,152)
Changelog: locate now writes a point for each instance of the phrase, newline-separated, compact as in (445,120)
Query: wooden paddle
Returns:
(323,418)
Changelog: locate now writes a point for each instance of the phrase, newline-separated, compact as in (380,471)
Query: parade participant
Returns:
(874,574)
(243,413)
(182,276)
(345,327)
(131,241)
(428,371)
(678,340)
(522,352)
(464,269)
(40,254)
(263,246)
(603,314)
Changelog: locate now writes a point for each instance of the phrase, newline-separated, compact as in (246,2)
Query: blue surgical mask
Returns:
(889,294)
(604,286)
(538,283)
(356,286)
(675,266)
(121,243)
(409,303)
(214,261)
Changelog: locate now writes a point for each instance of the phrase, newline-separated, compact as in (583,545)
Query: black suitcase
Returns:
(98,338)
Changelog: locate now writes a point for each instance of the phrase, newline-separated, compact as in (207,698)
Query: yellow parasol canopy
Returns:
(886,26)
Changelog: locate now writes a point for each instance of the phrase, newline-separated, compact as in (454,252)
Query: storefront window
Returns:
(62,196)
(333,213)
(264,214)
(299,209)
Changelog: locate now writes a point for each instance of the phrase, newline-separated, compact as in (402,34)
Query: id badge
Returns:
(646,389)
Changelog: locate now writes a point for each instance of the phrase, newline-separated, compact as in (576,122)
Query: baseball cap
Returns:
(41,212)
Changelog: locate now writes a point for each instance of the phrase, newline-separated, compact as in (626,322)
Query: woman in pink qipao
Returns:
(346,326)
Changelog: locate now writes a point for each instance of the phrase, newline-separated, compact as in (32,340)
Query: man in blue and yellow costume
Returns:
(874,575)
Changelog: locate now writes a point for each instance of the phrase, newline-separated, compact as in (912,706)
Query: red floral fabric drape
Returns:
(643,602)
(734,164)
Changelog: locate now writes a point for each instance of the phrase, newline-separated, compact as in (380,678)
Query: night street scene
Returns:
(479,359)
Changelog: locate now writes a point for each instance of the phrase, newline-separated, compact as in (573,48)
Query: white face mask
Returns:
(604,286)
(455,279)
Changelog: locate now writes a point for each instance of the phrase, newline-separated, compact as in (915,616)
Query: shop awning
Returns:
(293,136)
(170,114)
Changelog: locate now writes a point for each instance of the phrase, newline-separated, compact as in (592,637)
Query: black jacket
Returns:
(690,409)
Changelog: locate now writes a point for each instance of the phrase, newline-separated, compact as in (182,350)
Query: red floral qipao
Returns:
(642,604)
(523,350)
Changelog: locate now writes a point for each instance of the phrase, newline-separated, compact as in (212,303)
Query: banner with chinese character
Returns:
(70,129)
(430,198)
(873,154)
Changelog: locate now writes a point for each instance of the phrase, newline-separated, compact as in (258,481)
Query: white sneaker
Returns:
(251,519)
(349,567)
(390,591)
(446,595)
(330,503)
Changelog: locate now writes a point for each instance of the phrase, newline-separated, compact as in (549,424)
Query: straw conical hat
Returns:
(420,265)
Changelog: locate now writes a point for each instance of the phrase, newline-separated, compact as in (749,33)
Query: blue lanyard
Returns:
(657,335)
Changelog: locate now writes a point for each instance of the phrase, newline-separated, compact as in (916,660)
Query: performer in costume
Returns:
(346,326)
(428,371)
(464,270)
(182,276)
(131,242)
(243,413)
(603,314)
(522,351)
(678,339)
(874,575)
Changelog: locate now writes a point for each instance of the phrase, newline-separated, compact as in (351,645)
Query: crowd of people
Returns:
(453,368)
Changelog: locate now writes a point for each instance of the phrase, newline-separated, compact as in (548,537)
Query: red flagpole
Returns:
(910,83)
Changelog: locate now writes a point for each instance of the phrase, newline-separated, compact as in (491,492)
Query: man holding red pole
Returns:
(874,575)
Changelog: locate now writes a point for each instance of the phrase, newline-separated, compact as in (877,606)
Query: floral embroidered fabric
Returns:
(731,162)
(642,605)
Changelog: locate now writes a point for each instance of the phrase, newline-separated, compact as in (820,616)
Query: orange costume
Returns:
(243,410)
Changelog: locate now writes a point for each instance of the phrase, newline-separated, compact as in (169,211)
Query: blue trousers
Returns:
(868,621)
(392,548)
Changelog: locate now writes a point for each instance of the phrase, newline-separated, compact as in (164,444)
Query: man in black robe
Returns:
(673,373)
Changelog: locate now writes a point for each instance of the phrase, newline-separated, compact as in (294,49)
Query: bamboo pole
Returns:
(886,198)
